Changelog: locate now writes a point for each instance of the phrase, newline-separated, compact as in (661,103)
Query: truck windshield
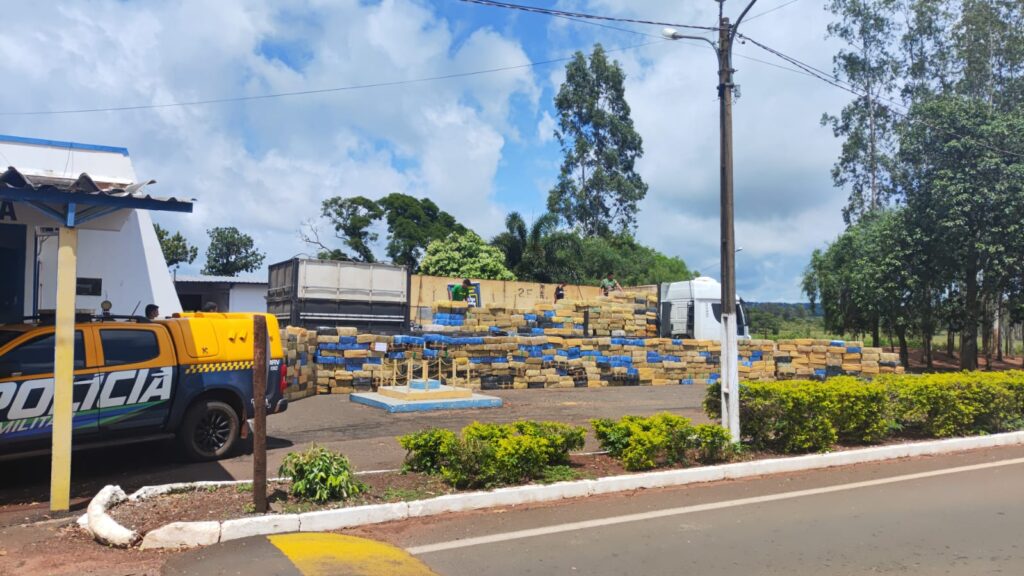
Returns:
(741,317)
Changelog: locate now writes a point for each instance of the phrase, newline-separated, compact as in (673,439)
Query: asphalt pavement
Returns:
(365,435)
(959,514)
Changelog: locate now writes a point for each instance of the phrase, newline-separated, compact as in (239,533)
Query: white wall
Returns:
(129,262)
(248,298)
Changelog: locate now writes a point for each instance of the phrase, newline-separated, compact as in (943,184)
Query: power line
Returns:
(894,107)
(306,92)
(779,7)
(553,12)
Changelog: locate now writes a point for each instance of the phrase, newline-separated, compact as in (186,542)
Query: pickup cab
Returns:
(188,377)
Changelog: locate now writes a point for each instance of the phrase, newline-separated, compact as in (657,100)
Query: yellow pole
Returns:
(63,369)
(425,377)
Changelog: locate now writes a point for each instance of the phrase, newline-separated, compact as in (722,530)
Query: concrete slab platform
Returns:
(439,392)
(394,405)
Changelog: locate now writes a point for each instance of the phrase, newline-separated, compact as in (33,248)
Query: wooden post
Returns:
(259,398)
(63,369)
(394,372)
(408,372)
(425,373)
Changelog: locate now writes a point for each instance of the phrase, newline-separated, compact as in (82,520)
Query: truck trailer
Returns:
(318,293)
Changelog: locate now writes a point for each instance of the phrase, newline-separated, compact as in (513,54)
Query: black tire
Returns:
(209,431)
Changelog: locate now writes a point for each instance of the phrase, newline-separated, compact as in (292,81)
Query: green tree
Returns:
(542,252)
(598,188)
(412,225)
(763,322)
(865,124)
(351,218)
(974,193)
(175,247)
(631,262)
(231,252)
(465,255)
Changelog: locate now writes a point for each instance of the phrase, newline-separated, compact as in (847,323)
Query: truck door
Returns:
(138,368)
(26,392)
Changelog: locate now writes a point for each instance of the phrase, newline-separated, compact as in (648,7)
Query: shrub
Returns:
(320,475)
(519,458)
(800,416)
(428,450)
(562,438)
(492,454)
(956,404)
(644,443)
(712,443)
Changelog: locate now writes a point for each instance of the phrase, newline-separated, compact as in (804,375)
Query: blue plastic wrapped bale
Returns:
(838,343)
(530,317)
(714,376)
(548,357)
(435,338)
(347,340)
(686,381)
(577,326)
(537,331)
(705,354)
(408,341)
(756,355)
(671,358)
(746,363)
(632,371)
(853,349)
(677,342)
(396,355)
(377,361)
(819,372)
(428,353)
(549,313)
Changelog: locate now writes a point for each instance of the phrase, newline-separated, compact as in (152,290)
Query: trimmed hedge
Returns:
(492,454)
(807,416)
(642,443)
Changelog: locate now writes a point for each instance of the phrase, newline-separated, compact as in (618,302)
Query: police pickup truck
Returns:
(189,377)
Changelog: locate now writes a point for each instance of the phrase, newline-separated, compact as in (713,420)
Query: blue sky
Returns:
(479,146)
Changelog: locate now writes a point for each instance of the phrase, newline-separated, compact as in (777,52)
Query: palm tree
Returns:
(542,252)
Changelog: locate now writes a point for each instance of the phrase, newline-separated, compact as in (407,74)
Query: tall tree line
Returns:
(933,159)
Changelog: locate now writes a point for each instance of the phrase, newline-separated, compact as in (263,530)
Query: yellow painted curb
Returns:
(316,554)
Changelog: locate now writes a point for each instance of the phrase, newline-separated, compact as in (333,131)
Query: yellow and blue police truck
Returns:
(189,377)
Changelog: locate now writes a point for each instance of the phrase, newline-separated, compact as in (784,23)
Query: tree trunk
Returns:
(950,343)
(901,333)
(969,334)
(875,334)
(927,344)
(997,338)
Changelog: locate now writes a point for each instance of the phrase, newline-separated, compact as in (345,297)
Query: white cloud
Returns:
(546,128)
(265,166)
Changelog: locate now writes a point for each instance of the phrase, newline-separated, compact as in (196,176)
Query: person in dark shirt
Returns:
(559,292)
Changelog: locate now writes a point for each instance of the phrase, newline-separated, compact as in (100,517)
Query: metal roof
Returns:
(218,279)
(104,197)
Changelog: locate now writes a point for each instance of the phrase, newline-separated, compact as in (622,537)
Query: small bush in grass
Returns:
(428,450)
(492,454)
(642,443)
(320,475)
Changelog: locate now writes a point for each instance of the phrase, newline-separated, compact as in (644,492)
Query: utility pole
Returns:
(730,351)
(729,363)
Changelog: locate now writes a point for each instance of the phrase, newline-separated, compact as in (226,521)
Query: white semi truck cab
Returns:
(693,309)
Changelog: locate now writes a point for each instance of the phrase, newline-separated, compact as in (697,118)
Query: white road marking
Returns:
(602,522)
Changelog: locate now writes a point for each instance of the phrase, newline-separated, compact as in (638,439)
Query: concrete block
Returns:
(326,520)
(103,528)
(182,535)
(258,525)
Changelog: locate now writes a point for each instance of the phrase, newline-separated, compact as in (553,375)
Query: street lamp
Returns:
(730,350)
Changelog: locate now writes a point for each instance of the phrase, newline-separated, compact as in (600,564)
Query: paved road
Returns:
(960,514)
(366,435)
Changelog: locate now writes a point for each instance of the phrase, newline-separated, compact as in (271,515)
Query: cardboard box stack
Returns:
(807,358)
(299,351)
(757,360)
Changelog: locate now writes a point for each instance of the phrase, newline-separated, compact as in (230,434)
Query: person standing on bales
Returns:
(559,292)
(610,283)
(461,292)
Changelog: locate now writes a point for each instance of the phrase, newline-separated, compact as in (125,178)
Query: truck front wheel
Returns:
(209,430)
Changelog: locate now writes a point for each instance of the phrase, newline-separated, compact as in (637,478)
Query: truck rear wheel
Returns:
(209,430)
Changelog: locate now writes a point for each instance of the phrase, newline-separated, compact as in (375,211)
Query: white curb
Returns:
(101,526)
(202,533)
(182,535)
